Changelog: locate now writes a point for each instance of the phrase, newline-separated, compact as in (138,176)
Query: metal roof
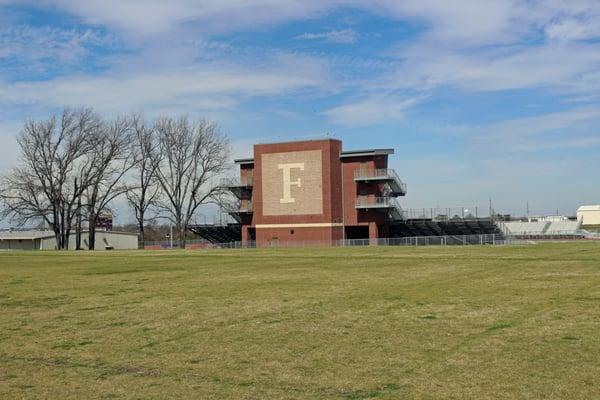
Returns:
(589,208)
(344,154)
(25,235)
(38,234)
(244,161)
(369,152)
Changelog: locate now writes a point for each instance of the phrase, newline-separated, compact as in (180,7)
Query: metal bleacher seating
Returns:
(454,227)
(563,227)
(540,228)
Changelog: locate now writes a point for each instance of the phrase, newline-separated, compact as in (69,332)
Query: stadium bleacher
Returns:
(218,233)
(454,227)
(563,227)
(525,228)
(540,229)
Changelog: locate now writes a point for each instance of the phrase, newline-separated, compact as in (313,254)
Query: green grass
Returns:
(362,323)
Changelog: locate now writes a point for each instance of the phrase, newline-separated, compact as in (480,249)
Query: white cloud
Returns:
(466,44)
(539,124)
(571,129)
(210,86)
(574,29)
(35,49)
(339,36)
(467,20)
(370,111)
(565,68)
(448,52)
(151,17)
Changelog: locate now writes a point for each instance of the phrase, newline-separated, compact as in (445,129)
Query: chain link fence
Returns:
(460,240)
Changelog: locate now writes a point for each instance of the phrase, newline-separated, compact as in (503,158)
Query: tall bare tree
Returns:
(190,157)
(44,186)
(108,162)
(144,192)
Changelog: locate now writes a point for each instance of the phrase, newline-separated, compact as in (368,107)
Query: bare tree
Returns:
(44,186)
(190,156)
(108,161)
(144,193)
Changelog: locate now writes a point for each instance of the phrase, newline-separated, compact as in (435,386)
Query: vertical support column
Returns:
(373,233)
(245,234)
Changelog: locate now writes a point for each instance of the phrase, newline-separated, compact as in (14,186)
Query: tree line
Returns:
(73,165)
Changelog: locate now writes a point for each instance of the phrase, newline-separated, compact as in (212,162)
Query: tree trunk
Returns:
(78,226)
(64,239)
(141,229)
(91,230)
(180,229)
(58,238)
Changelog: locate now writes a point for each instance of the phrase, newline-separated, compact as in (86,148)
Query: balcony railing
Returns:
(240,187)
(382,174)
(238,207)
(384,203)
(245,181)
(377,202)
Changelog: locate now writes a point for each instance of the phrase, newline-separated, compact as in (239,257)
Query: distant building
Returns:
(589,215)
(314,191)
(45,240)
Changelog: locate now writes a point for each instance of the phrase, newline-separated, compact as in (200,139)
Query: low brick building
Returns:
(315,191)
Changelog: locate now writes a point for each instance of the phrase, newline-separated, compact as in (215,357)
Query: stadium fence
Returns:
(459,240)
(456,240)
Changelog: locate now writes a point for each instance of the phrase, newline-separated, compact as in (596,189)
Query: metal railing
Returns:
(458,240)
(384,202)
(449,213)
(447,240)
(168,244)
(553,235)
(244,181)
(380,173)
(377,202)
(241,206)
(220,219)
(590,235)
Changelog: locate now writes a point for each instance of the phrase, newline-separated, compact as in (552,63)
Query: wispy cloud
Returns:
(37,50)
(575,128)
(372,110)
(339,36)
(213,86)
(558,66)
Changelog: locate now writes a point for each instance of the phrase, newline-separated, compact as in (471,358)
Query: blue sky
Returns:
(497,99)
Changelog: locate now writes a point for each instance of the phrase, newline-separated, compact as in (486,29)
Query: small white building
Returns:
(45,240)
(589,215)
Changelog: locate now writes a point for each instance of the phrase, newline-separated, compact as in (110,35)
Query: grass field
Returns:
(383,323)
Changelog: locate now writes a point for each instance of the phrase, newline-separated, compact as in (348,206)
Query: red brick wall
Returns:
(332,196)
(352,190)
(340,192)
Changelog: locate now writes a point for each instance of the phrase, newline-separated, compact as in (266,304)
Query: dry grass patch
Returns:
(384,323)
